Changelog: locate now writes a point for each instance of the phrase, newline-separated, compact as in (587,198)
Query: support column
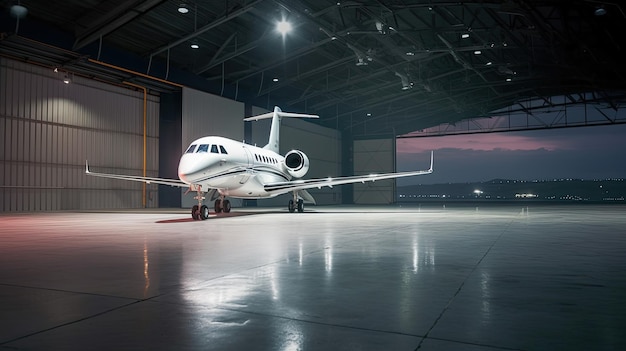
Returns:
(170,140)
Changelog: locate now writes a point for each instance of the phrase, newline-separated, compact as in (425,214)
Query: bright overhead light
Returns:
(477,52)
(275,80)
(182,8)
(283,27)
(195,46)
(488,63)
(509,79)
(67,79)
(465,35)
(600,11)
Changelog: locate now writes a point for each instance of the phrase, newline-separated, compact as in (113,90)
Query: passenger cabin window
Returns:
(191,149)
(222,150)
(203,148)
(214,149)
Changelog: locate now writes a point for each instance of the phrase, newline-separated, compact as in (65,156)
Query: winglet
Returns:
(432,155)
(87,167)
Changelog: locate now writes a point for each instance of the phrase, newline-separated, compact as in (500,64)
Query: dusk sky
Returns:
(581,152)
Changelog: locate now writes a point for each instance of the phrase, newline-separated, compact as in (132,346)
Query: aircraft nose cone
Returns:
(187,169)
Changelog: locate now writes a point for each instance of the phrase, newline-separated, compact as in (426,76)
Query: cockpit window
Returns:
(222,150)
(191,149)
(214,149)
(203,148)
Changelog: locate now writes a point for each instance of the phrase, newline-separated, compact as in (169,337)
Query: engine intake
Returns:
(296,163)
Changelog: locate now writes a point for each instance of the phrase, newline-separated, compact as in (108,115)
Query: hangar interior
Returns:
(83,265)
(372,70)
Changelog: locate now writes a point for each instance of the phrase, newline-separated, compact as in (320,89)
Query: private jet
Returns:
(219,167)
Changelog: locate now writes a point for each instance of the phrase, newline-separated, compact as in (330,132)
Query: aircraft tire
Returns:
(194,213)
(204,212)
(218,206)
(300,205)
(292,208)
(226,206)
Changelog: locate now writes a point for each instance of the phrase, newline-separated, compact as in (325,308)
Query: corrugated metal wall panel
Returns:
(49,129)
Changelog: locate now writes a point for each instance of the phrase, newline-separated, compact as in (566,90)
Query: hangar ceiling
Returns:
(368,67)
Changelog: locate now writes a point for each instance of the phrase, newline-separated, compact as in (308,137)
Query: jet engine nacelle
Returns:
(296,163)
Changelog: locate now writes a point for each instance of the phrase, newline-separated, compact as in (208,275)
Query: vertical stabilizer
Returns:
(273,143)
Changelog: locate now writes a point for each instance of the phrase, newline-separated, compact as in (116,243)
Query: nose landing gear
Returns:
(199,211)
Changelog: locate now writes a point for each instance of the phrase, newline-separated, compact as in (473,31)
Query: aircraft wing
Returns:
(300,184)
(147,180)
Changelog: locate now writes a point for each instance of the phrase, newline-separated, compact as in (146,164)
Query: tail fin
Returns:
(273,143)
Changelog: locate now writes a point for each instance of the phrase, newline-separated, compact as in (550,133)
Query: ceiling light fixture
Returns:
(406,85)
(600,11)
(195,46)
(464,35)
(361,58)
(18,11)
(182,8)
(477,52)
(283,27)
(275,80)
(67,79)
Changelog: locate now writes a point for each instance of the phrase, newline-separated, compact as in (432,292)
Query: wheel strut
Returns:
(296,203)
(199,211)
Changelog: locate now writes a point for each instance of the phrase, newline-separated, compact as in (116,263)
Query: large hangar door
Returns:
(374,156)
(48,129)
(204,115)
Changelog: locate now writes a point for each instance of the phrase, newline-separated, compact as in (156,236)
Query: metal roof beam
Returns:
(113,20)
(207,27)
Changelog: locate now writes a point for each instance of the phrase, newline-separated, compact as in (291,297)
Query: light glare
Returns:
(283,27)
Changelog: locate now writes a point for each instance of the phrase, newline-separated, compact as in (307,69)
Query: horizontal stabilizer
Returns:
(276,116)
(280,114)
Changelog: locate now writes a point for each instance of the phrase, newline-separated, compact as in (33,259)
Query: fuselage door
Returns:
(249,158)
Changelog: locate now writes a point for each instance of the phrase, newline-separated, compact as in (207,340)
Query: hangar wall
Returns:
(374,156)
(321,145)
(205,114)
(50,128)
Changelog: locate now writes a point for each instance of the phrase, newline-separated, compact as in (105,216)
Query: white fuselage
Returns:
(235,169)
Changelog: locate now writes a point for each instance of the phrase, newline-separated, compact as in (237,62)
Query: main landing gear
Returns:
(222,205)
(296,204)
(201,211)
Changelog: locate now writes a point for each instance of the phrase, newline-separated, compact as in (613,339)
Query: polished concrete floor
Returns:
(332,278)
